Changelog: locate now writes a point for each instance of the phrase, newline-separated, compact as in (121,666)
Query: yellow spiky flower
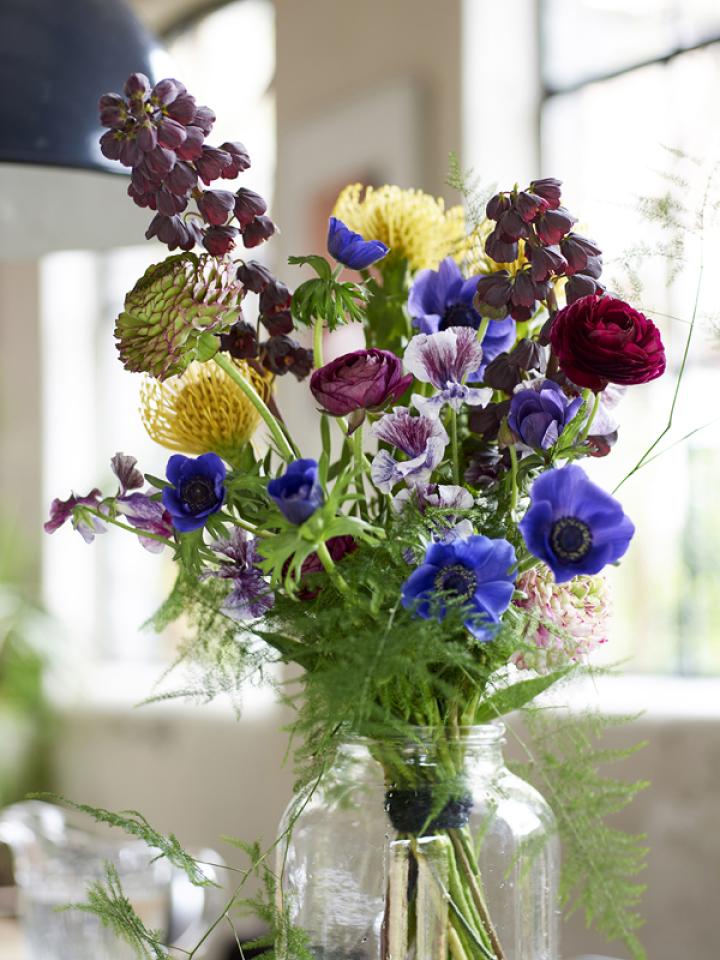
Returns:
(413,224)
(202,410)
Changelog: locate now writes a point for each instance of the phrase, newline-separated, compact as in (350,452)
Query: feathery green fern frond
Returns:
(600,862)
(107,901)
(135,824)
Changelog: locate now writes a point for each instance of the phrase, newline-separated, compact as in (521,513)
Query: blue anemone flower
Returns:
(297,492)
(538,416)
(197,489)
(442,298)
(574,525)
(350,249)
(474,568)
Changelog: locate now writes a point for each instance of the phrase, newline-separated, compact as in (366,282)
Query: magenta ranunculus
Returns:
(361,380)
(601,340)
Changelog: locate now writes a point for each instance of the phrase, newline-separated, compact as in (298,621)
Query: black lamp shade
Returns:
(57,57)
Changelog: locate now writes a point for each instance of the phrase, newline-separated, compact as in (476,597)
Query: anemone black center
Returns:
(198,493)
(571,539)
(459,315)
(456,580)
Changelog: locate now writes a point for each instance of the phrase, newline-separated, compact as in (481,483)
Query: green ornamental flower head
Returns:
(169,309)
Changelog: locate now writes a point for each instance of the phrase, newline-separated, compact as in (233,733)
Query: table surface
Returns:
(11,941)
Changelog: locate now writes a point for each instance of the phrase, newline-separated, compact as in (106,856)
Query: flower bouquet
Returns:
(438,564)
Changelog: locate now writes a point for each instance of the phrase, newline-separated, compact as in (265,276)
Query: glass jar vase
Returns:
(428,849)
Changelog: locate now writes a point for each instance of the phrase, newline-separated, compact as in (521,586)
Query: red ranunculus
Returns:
(361,380)
(601,340)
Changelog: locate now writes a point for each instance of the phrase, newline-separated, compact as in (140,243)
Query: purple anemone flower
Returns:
(350,249)
(250,596)
(422,439)
(442,298)
(297,492)
(85,523)
(539,414)
(445,360)
(477,570)
(574,525)
(197,489)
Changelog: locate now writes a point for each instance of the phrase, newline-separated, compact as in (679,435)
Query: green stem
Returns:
(465,856)
(330,568)
(454,441)
(318,343)
(359,456)
(483,329)
(513,479)
(125,526)
(286,451)
(596,405)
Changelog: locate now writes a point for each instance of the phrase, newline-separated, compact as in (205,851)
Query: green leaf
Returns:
(318,263)
(517,695)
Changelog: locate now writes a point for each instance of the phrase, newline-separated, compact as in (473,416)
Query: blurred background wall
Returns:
(324,93)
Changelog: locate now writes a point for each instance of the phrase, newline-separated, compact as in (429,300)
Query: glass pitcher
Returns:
(55,860)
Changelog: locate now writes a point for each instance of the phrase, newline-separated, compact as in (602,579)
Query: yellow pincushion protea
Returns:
(413,224)
(202,410)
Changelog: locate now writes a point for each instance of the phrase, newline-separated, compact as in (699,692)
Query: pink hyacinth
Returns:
(566,621)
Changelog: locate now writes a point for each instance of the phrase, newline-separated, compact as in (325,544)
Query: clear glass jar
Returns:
(430,850)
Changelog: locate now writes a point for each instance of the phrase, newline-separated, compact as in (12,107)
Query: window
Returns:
(622,84)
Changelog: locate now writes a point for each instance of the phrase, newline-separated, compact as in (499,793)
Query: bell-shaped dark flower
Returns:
(216,206)
(486,420)
(530,205)
(192,146)
(492,298)
(548,188)
(545,262)
(240,341)
(182,109)
(500,249)
(173,231)
(512,226)
(281,355)
(275,298)
(278,324)
(113,111)
(578,251)
(553,225)
(137,86)
(165,91)
(248,205)
(484,468)
(211,163)
(239,159)
(254,276)
(258,231)
(219,240)
(169,203)
(580,285)
(181,180)
(160,161)
(204,118)
(497,205)
(170,133)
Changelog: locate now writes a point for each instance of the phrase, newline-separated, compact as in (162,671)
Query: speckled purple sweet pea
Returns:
(423,441)
(445,360)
